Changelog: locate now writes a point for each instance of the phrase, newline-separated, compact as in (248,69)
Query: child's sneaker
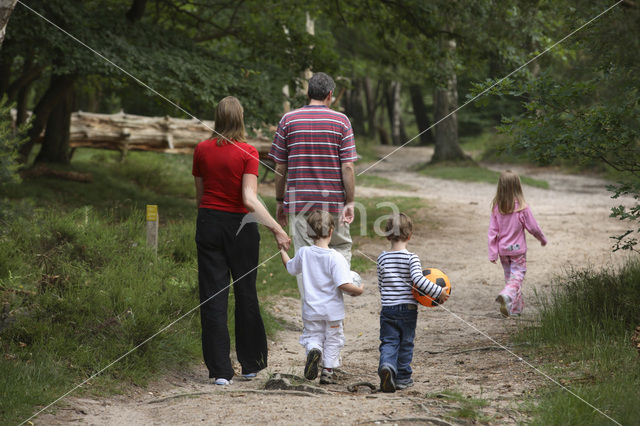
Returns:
(505,304)
(223,382)
(403,384)
(387,383)
(328,377)
(311,366)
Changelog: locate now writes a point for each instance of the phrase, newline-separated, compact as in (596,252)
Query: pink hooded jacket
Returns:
(506,232)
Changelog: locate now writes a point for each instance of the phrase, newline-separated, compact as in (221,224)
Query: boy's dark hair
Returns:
(320,84)
(319,224)
(399,227)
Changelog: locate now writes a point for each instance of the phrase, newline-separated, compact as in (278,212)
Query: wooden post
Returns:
(152,226)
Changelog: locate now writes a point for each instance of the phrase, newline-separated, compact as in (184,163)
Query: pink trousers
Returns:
(514,269)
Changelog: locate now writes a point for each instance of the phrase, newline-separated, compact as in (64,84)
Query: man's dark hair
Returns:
(320,85)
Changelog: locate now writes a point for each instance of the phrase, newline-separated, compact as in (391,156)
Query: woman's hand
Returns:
(282,239)
(251,202)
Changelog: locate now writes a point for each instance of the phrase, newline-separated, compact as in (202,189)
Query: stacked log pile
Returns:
(124,132)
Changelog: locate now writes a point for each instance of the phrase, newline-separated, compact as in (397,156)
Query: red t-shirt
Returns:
(221,168)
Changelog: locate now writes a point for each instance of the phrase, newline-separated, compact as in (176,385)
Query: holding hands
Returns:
(282,239)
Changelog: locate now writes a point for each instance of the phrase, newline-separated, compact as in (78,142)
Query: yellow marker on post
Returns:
(152,226)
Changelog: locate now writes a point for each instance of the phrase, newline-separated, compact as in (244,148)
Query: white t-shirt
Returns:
(323,271)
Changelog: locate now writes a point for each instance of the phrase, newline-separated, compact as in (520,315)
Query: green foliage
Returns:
(194,53)
(585,326)
(10,140)
(79,290)
(586,111)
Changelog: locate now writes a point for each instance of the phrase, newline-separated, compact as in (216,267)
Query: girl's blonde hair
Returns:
(509,191)
(229,121)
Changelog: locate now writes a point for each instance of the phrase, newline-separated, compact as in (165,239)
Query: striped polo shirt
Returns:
(398,271)
(314,141)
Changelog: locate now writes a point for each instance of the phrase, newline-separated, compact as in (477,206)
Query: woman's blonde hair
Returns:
(509,191)
(229,121)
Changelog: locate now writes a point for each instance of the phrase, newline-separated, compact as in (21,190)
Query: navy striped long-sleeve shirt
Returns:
(398,271)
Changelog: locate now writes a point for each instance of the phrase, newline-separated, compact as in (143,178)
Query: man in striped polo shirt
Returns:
(314,151)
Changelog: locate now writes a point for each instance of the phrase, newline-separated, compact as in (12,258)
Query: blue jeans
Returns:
(397,331)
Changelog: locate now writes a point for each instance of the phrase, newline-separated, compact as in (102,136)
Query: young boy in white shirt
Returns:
(325,275)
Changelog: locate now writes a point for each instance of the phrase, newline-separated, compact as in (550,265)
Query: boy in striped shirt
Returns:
(398,271)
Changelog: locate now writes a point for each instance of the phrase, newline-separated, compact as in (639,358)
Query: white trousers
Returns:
(328,336)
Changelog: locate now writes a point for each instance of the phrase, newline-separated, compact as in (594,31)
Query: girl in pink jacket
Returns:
(510,216)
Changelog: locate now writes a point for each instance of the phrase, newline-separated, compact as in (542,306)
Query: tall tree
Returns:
(420,114)
(193,51)
(445,103)
(584,104)
(6,7)
(430,43)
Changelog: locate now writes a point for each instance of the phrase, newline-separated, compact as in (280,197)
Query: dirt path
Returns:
(450,352)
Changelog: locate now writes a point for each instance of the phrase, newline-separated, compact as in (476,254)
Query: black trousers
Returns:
(223,254)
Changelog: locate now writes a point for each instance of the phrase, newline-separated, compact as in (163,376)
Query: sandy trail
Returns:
(452,351)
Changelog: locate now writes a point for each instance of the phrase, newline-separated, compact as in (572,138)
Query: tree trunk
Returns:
(58,88)
(445,102)
(380,130)
(55,146)
(30,73)
(21,105)
(6,7)
(420,113)
(372,104)
(393,109)
(354,109)
(403,131)
(136,11)
(5,71)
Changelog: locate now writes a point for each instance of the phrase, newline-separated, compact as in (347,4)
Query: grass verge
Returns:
(380,182)
(472,173)
(584,337)
(79,287)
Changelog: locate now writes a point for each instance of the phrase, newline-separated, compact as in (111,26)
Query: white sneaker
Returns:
(223,382)
(505,304)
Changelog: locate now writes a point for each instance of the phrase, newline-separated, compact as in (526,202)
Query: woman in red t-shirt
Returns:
(226,177)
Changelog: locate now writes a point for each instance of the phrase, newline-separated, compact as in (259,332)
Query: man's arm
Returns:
(281,183)
(349,184)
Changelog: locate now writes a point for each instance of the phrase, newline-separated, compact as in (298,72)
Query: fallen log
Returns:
(127,132)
